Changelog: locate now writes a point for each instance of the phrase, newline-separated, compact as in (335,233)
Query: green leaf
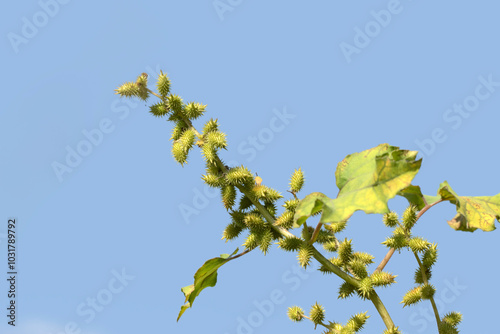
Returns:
(414,196)
(310,205)
(367,181)
(472,212)
(204,277)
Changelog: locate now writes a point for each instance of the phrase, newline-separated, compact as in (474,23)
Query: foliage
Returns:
(366,182)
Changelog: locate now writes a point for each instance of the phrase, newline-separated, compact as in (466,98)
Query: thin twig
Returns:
(388,256)
(241,254)
(315,233)
(424,278)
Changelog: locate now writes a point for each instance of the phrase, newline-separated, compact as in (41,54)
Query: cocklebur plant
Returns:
(366,181)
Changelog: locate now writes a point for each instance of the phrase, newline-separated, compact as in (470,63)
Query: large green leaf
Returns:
(367,181)
(204,277)
(472,212)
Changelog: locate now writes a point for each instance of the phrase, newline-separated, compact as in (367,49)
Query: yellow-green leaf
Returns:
(472,212)
(205,277)
(367,181)
(311,204)
(414,196)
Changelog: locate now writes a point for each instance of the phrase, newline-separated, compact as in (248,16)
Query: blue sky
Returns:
(103,247)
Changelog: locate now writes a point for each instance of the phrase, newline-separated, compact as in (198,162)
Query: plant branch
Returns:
(241,254)
(427,207)
(389,254)
(315,325)
(316,254)
(386,259)
(315,233)
(293,193)
(377,302)
(270,219)
(424,278)
(184,118)
(153,93)
(382,311)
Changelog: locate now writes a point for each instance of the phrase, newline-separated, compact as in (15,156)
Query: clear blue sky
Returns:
(103,247)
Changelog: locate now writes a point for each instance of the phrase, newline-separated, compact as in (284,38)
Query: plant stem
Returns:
(427,207)
(375,299)
(389,254)
(382,311)
(241,254)
(315,233)
(386,259)
(316,254)
(185,119)
(315,325)
(424,278)
(153,93)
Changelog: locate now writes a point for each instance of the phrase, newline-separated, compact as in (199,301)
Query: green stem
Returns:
(315,233)
(153,93)
(241,254)
(382,311)
(321,323)
(316,254)
(424,278)
(375,299)
(185,119)
(377,302)
(333,268)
